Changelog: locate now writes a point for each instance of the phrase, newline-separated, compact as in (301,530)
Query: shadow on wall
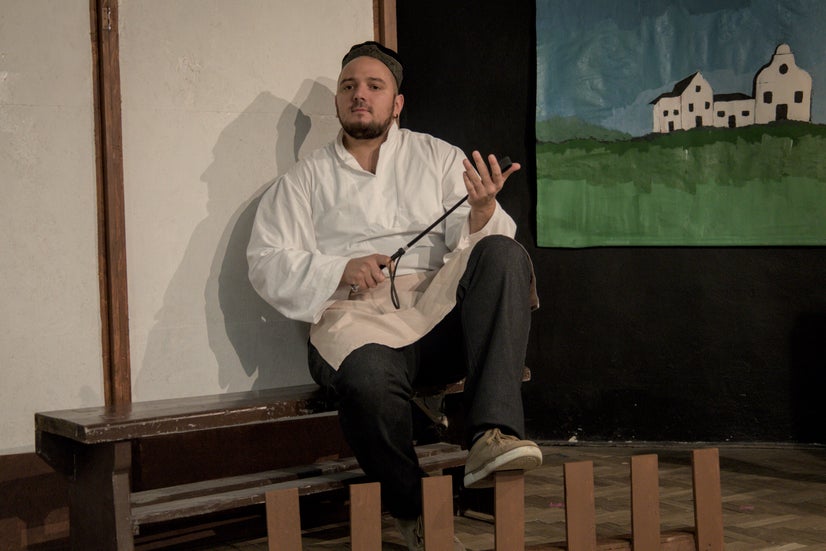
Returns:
(264,341)
(253,345)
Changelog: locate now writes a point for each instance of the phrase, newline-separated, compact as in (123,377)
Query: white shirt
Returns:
(327,209)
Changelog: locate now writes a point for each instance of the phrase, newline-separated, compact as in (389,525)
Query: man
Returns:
(319,253)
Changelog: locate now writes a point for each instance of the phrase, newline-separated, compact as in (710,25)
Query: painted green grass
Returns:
(759,185)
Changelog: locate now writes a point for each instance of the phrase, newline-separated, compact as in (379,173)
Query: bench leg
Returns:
(99,508)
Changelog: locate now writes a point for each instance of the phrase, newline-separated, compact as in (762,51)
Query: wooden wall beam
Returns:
(384,23)
(117,376)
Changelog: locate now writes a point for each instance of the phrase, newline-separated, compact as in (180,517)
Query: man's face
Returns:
(366,99)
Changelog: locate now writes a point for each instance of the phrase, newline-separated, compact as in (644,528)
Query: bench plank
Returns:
(94,425)
(265,478)
(194,489)
(157,511)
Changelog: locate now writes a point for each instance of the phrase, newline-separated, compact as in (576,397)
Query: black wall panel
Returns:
(694,344)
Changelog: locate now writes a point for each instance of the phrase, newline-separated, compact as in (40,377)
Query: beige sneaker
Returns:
(412,532)
(495,451)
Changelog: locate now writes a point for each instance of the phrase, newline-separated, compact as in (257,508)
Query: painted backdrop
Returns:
(681,122)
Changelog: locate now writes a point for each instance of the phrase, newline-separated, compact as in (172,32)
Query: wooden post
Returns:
(384,23)
(117,379)
(437,514)
(645,502)
(509,510)
(708,501)
(283,520)
(99,515)
(580,515)
(365,516)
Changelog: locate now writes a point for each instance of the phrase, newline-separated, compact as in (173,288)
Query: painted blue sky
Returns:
(604,61)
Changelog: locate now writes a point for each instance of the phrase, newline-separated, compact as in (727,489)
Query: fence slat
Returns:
(708,501)
(580,516)
(645,502)
(365,516)
(283,520)
(509,510)
(437,513)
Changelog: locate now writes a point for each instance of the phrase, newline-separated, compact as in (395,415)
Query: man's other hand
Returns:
(365,272)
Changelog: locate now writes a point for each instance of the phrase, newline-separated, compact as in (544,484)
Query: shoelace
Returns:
(496,436)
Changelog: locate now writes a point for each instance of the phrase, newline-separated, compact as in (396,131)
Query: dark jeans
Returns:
(483,339)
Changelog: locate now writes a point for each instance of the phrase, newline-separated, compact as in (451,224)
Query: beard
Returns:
(366,130)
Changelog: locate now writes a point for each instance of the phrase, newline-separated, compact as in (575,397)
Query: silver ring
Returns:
(354,288)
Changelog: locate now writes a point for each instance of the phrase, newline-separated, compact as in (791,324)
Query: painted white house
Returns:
(782,91)
(733,110)
(688,105)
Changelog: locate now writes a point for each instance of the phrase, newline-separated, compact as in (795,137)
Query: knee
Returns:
(502,250)
(368,377)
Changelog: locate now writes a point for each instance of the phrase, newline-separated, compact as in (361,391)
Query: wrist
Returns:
(479,217)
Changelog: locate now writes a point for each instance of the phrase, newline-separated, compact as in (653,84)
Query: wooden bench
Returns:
(94,448)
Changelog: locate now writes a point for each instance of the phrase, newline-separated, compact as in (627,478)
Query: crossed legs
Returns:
(483,339)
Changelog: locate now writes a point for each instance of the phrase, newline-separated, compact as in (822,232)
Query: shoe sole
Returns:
(518,459)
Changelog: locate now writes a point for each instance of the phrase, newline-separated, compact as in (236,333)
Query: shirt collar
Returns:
(348,159)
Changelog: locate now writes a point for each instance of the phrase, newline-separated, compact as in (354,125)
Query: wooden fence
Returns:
(284,526)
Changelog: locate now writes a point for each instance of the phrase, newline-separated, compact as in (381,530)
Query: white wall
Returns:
(50,343)
(219,98)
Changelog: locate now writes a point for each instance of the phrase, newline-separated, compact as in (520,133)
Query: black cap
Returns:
(376,51)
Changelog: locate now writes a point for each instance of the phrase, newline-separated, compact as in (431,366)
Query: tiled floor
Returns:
(774,498)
